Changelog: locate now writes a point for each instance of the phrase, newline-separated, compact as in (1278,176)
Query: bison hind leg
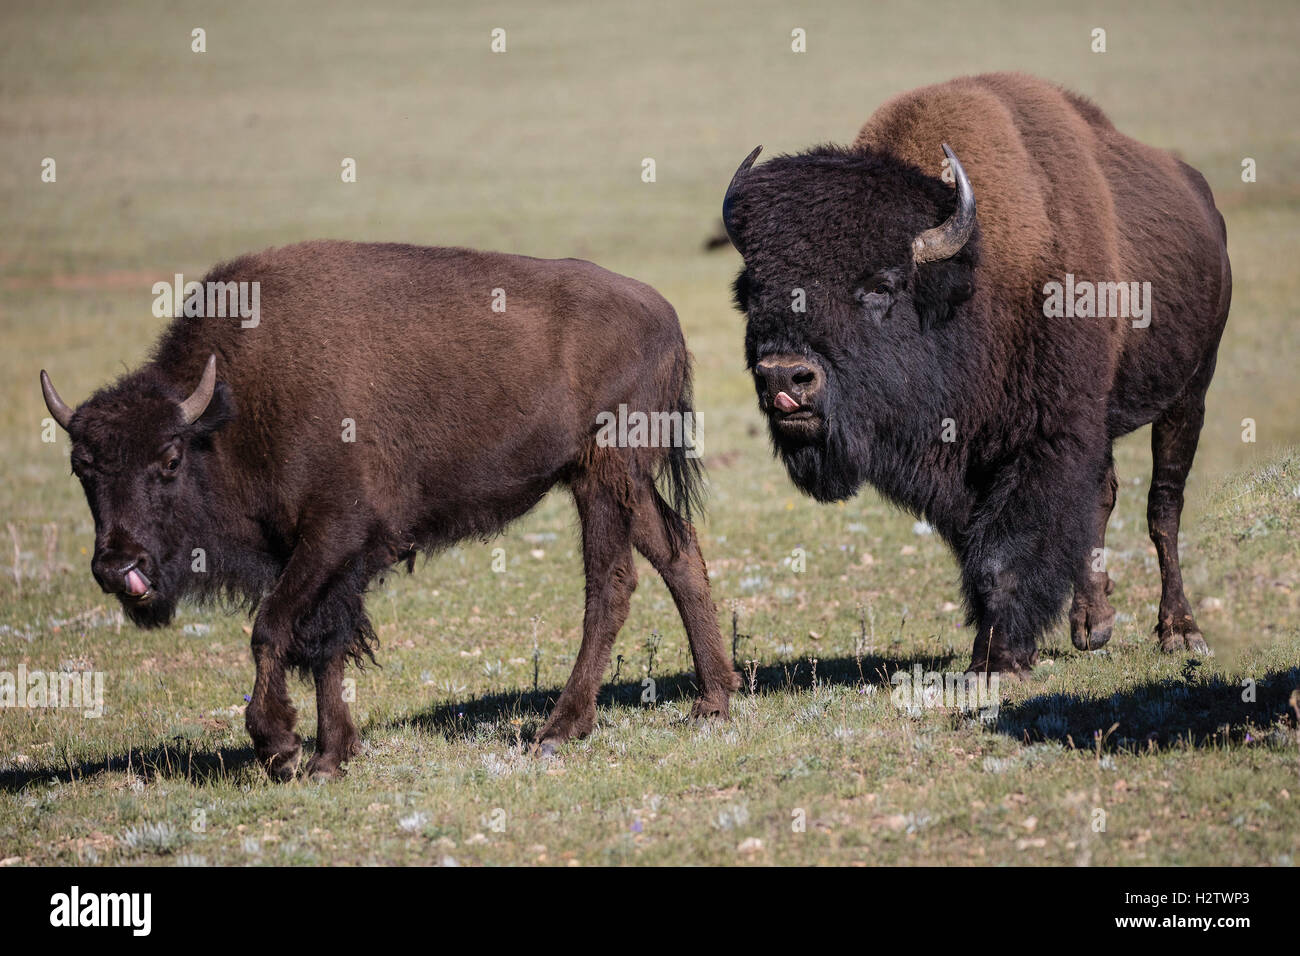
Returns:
(601,492)
(1174,437)
(1091,615)
(669,543)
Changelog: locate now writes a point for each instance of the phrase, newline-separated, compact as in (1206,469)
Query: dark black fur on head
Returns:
(838,225)
(146,478)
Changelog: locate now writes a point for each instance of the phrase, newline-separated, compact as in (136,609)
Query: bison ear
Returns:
(940,288)
(219,413)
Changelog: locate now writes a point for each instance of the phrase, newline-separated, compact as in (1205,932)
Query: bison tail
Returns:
(680,475)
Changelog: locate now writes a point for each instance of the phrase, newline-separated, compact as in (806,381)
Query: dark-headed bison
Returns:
(972,350)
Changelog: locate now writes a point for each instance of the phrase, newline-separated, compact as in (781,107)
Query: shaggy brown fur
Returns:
(1061,190)
(464,418)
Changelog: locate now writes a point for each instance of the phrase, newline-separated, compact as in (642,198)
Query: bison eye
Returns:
(171,464)
(876,285)
(875,297)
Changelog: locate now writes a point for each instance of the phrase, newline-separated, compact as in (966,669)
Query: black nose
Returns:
(111,568)
(788,382)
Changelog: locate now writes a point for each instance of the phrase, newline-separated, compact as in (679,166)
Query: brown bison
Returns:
(379,406)
(973,350)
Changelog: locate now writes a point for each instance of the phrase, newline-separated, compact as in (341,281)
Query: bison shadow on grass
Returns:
(1192,710)
(470,718)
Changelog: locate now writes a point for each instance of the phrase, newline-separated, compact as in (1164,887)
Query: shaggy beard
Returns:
(826,469)
(157,613)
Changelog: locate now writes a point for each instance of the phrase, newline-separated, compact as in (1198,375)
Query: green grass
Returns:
(169,161)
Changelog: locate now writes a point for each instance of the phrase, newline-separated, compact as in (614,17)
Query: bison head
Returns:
(141,452)
(847,284)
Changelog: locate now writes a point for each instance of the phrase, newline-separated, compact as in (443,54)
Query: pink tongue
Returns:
(135,583)
(785,402)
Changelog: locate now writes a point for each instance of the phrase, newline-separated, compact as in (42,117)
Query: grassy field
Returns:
(169,160)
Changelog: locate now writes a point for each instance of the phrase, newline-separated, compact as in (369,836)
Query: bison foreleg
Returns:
(323,552)
(1020,555)
(336,735)
(270,716)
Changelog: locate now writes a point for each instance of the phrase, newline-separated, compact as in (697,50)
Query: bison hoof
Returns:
(1091,630)
(1177,638)
(1090,638)
(281,761)
(706,707)
(323,767)
(282,764)
(560,728)
(1008,672)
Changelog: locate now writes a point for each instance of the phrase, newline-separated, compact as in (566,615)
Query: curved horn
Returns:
(197,403)
(945,241)
(730,196)
(57,406)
